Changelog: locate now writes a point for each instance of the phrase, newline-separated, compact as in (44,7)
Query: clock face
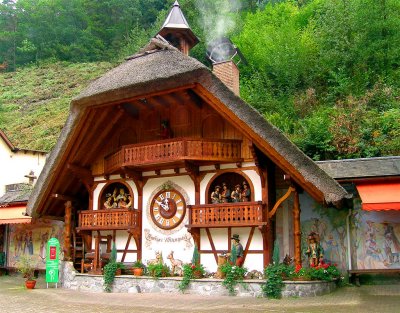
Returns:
(167,209)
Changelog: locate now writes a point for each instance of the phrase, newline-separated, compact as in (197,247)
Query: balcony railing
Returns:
(108,219)
(171,150)
(227,214)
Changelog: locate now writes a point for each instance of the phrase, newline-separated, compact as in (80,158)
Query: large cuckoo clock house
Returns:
(160,154)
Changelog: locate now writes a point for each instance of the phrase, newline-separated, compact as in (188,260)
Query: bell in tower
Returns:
(177,31)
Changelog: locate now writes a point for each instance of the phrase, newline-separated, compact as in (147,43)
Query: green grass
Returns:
(34,101)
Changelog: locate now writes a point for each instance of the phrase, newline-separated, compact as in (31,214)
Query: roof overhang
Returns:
(379,196)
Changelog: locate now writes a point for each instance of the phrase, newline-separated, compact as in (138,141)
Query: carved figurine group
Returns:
(118,199)
(239,194)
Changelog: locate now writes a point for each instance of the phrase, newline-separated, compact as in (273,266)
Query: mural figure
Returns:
(373,253)
(236,194)
(245,196)
(226,194)
(391,249)
(314,250)
(239,250)
(18,238)
(332,250)
(216,195)
(43,244)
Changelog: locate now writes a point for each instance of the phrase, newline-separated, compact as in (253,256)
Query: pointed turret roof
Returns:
(175,18)
(176,25)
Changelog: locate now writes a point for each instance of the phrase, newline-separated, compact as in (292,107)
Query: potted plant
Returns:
(138,268)
(25,266)
(157,270)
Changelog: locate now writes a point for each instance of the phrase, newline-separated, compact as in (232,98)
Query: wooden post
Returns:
(296,228)
(67,231)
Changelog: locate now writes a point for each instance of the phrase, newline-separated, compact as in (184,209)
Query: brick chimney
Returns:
(228,73)
(225,56)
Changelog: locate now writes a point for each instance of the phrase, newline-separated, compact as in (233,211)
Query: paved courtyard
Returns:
(15,298)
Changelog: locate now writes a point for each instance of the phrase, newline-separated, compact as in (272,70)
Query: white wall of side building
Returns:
(15,165)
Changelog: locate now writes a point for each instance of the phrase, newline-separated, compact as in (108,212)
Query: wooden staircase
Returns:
(78,250)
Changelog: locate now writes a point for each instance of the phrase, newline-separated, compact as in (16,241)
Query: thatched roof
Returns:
(161,67)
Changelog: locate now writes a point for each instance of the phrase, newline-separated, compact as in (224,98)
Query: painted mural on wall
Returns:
(330,225)
(31,239)
(376,239)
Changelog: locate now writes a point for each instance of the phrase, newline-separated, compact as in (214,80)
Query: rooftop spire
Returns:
(177,30)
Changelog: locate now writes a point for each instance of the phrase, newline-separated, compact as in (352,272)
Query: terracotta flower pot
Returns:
(30,284)
(137,271)
(197,274)
(118,272)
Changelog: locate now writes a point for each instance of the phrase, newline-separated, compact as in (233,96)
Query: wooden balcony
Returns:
(172,150)
(242,214)
(108,219)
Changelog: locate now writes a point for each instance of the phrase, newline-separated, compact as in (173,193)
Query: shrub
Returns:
(233,275)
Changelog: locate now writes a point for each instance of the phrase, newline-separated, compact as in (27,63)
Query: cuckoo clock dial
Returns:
(167,209)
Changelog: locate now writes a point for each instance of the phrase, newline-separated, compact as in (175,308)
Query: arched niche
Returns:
(213,127)
(231,179)
(116,195)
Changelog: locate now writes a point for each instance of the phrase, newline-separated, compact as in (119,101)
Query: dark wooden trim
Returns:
(212,245)
(246,249)
(297,229)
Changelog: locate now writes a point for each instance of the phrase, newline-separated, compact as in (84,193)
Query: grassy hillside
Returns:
(34,101)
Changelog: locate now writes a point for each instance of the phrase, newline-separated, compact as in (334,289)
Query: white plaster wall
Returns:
(96,195)
(15,165)
(255,179)
(155,239)
(220,240)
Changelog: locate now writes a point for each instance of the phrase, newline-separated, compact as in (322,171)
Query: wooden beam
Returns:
(297,229)
(212,244)
(67,230)
(279,202)
(63,198)
(246,249)
(84,174)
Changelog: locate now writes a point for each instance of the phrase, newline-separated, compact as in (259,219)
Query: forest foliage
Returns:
(326,72)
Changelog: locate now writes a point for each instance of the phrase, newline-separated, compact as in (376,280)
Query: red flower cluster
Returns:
(298,268)
(193,266)
(322,264)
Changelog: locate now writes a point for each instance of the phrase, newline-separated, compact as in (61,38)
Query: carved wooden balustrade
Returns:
(240,214)
(108,219)
(174,150)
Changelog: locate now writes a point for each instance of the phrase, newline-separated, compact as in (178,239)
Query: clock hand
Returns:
(166,208)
